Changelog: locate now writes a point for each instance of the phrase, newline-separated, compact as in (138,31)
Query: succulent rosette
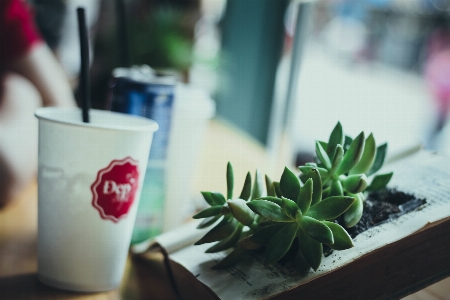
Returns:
(345,165)
(300,215)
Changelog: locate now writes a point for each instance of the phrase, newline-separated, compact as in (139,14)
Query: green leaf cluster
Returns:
(298,212)
(303,218)
(346,165)
(233,220)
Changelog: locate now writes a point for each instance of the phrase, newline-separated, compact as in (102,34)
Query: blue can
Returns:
(139,91)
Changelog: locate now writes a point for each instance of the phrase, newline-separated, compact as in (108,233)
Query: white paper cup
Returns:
(89,182)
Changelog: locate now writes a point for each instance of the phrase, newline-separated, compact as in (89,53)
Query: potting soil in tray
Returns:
(383,206)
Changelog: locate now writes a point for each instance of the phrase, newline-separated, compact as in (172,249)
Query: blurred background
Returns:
(282,68)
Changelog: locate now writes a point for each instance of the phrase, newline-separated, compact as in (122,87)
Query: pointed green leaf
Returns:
(353,155)
(263,235)
(323,173)
(367,157)
(347,142)
(269,210)
(222,230)
(380,181)
(231,259)
(306,194)
(208,222)
(228,242)
(355,183)
(330,208)
(342,239)
(322,155)
(336,188)
(317,230)
(379,159)
(208,212)
(354,213)
(336,137)
(289,185)
(247,189)
(275,200)
(230,181)
(301,265)
(312,250)
(316,177)
(324,145)
(209,199)
(276,186)
(337,159)
(241,211)
(306,169)
(280,243)
(303,177)
(269,186)
(289,207)
(258,185)
(218,198)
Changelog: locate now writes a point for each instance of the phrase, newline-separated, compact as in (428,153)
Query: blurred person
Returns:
(49,16)
(437,78)
(30,77)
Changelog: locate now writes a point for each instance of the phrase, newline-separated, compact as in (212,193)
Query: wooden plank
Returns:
(437,291)
(18,232)
(391,272)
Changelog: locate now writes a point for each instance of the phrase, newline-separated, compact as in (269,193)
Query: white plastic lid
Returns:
(98,119)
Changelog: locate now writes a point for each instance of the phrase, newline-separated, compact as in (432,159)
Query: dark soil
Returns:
(382,206)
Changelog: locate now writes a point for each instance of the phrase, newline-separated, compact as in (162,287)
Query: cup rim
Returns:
(60,114)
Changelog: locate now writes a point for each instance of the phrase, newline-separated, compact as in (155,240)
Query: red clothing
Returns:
(18,32)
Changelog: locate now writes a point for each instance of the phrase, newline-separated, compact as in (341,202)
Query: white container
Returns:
(193,108)
(89,181)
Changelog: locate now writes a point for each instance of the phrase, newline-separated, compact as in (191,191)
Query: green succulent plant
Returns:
(297,213)
(345,165)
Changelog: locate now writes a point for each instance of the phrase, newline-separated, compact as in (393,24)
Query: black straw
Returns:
(84,70)
(122,36)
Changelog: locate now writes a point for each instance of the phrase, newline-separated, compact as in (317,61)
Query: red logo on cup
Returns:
(115,188)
